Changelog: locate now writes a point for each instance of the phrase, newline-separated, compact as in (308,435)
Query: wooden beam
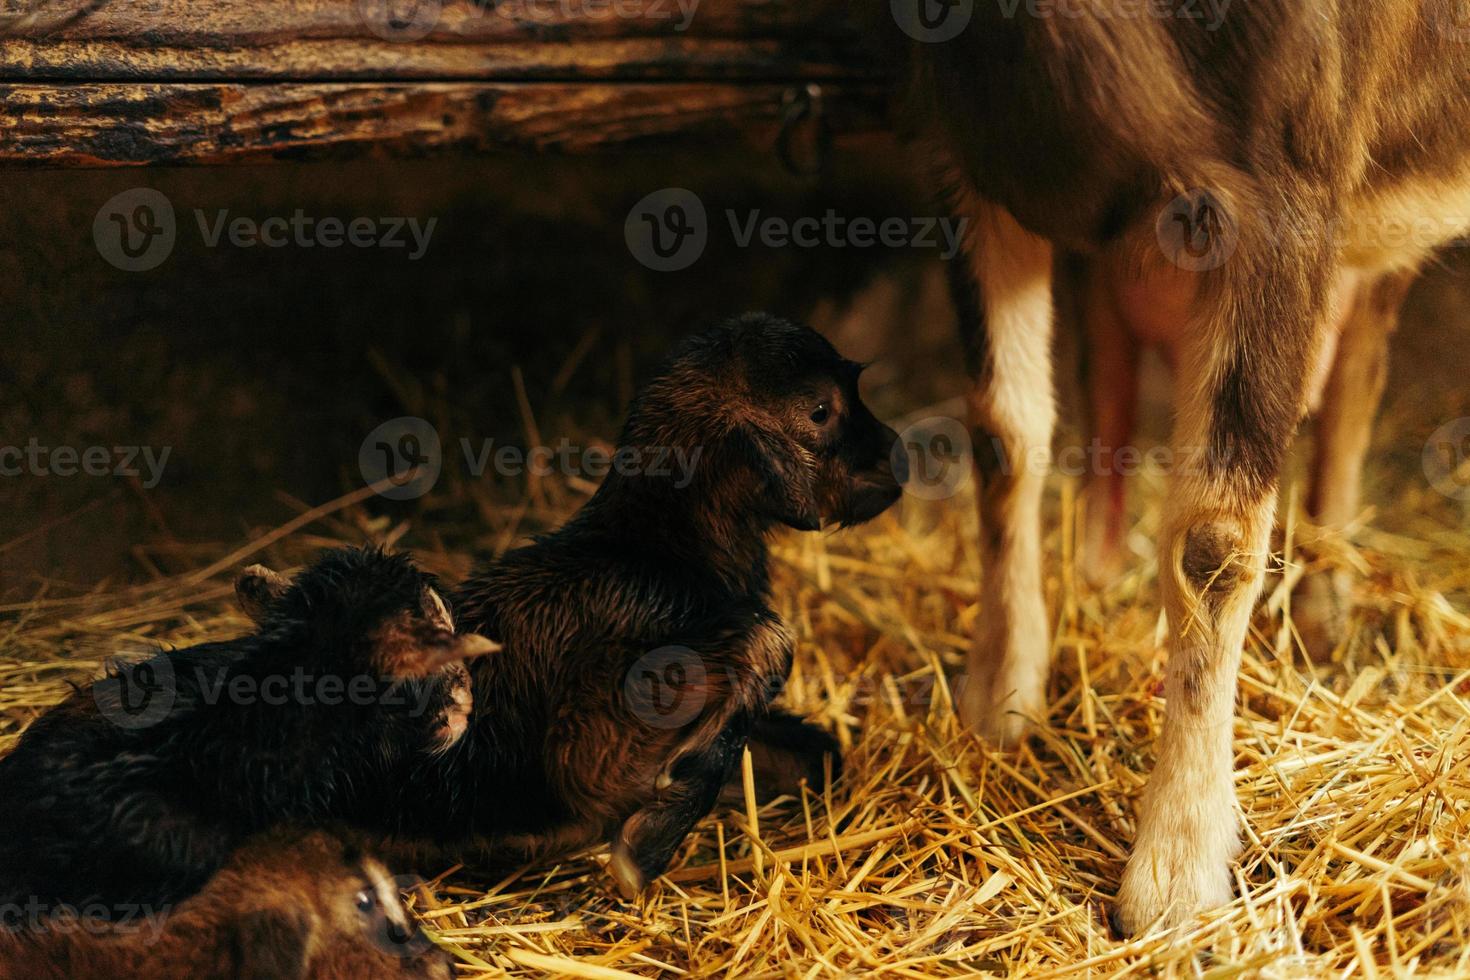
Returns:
(201,123)
(321,40)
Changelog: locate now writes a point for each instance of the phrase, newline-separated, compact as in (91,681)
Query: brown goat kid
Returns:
(286,907)
(640,649)
(1238,173)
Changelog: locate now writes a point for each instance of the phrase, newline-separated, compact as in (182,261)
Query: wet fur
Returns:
(556,757)
(286,906)
(97,812)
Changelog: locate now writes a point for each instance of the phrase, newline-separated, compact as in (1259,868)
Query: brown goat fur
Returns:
(640,648)
(1235,168)
(287,905)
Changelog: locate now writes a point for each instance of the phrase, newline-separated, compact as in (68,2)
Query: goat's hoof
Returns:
(1168,886)
(1320,612)
(1004,722)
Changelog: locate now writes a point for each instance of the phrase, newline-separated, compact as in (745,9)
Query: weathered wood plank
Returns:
(348,59)
(150,123)
(427,39)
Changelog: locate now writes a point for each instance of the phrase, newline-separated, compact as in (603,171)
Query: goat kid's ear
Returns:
(257,589)
(786,482)
(466,646)
(435,610)
(421,652)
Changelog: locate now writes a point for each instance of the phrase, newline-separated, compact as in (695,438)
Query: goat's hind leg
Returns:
(1340,445)
(787,751)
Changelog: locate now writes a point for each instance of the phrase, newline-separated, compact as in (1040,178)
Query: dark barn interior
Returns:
(236,387)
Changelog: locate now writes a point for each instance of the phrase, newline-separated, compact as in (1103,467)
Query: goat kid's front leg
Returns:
(687,792)
(1240,400)
(1003,292)
(728,687)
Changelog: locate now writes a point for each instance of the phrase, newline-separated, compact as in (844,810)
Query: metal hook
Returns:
(803,105)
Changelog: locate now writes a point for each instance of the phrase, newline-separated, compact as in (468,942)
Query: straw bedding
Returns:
(936,856)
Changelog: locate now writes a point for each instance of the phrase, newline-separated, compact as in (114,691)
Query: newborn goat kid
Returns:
(640,647)
(286,906)
(353,679)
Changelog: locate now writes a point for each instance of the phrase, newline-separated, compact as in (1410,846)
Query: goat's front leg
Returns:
(1004,297)
(1239,403)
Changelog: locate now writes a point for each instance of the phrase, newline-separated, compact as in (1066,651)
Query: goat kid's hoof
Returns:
(624,869)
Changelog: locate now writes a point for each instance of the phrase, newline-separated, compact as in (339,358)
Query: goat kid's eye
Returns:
(821,414)
(366,900)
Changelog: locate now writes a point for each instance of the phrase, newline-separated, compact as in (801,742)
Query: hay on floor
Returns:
(936,856)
